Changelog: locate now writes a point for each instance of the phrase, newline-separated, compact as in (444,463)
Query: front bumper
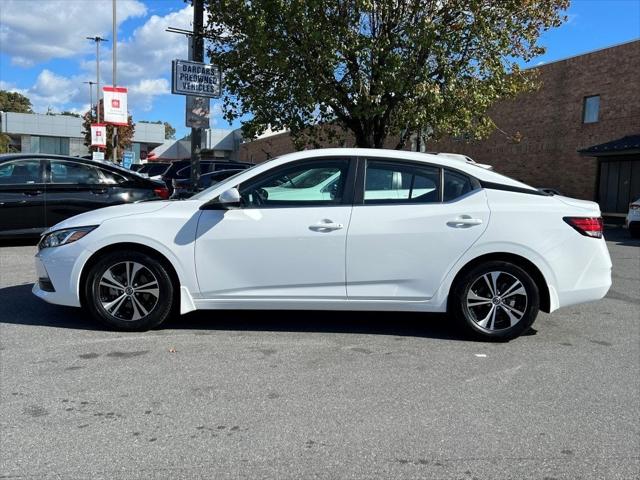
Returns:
(61,267)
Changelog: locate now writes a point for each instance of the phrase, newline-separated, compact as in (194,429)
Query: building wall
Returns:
(549,122)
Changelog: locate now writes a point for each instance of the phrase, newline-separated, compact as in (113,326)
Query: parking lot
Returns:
(319,394)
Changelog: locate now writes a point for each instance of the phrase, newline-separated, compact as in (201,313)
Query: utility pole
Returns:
(91,84)
(114,149)
(197,56)
(97,39)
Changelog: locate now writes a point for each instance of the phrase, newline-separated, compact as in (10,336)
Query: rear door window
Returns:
(21,172)
(63,172)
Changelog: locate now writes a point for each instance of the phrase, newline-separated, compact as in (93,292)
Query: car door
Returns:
(72,188)
(405,232)
(22,207)
(291,246)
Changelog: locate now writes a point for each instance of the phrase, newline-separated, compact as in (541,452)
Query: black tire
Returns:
(127,316)
(477,319)
(634,229)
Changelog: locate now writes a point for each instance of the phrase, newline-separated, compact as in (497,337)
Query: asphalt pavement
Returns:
(293,395)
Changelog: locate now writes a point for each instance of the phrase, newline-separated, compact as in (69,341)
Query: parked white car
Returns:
(336,229)
(632,221)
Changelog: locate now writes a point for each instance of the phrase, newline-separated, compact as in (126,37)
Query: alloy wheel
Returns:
(128,291)
(496,300)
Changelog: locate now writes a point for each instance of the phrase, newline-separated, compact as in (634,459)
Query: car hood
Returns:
(96,217)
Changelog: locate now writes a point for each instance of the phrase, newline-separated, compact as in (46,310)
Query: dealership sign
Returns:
(195,78)
(98,135)
(115,105)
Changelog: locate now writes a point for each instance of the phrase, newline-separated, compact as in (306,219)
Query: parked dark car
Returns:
(181,185)
(182,169)
(39,190)
(151,169)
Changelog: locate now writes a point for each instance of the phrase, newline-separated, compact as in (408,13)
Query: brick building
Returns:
(583,104)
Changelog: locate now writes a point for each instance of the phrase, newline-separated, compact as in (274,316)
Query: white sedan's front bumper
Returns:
(61,266)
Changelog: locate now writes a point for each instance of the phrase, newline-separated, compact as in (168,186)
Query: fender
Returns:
(478,250)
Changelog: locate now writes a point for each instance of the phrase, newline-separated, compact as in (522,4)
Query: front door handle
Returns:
(326,225)
(98,191)
(32,193)
(464,221)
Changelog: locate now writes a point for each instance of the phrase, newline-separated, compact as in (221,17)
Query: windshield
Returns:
(309,178)
(204,193)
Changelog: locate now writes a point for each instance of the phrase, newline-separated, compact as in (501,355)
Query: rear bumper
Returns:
(592,281)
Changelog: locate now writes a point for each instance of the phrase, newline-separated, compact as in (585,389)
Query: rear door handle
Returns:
(32,193)
(326,225)
(464,221)
(98,191)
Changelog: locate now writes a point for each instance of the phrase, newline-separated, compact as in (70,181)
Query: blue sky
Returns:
(43,53)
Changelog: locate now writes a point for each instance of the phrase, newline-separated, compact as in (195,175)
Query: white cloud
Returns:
(40,30)
(143,93)
(144,59)
(33,31)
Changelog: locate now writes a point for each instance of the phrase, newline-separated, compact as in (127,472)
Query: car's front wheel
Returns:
(129,290)
(495,301)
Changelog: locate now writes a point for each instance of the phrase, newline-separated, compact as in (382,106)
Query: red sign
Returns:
(115,105)
(98,135)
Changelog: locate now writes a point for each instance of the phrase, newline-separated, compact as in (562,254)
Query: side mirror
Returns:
(226,200)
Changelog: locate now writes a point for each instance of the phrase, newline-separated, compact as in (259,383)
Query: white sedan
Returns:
(632,221)
(336,229)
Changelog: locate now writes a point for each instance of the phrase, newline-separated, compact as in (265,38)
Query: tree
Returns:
(375,68)
(125,133)
(14,102)
(169,131)
(5,144)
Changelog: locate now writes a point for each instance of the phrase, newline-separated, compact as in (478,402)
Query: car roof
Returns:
(442,160)
(85,161)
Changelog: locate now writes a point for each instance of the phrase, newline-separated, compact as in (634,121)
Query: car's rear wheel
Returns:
(634,229)
(496,301)
(129,291)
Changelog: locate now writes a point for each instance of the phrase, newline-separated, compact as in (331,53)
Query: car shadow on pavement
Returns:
(19,242)
(621,236)
(20,307)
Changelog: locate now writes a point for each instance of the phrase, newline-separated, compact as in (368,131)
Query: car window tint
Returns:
(388,182)
(455,185)
(156,170)
(20,172)
(309,183)
(74,173)
(111,178)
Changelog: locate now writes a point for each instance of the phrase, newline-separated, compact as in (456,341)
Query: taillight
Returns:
(162,192)
(588,226)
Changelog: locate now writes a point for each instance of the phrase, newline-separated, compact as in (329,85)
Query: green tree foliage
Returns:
(125,133)
(169,131)
(5,144)
(14,102)
(377,68)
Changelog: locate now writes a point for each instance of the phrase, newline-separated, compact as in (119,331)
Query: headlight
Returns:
(62,237)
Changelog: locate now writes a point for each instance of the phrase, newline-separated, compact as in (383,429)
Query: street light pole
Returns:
(197,56)
(114,149)
(97,39)
(91,84)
